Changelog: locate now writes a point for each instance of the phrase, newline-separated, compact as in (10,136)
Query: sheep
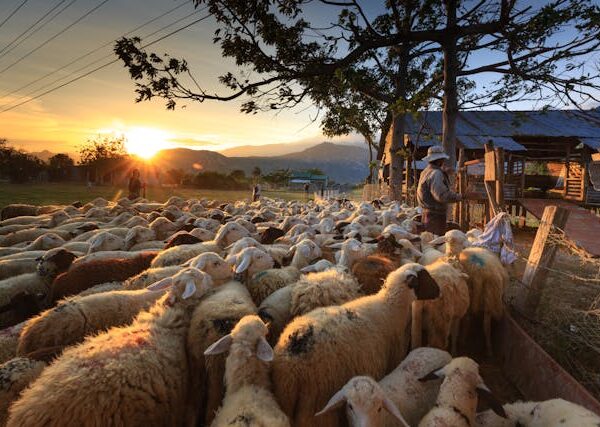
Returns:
(106,241)
(24,295)
(137,235)
(440,318)
(457,399)
(351,251)
(550,413)
(487,282)
(101,288)
(44,242)
(73,319)
(400,392)
(28,235)
(15,375)
(331,287)
(264,283)
(303,253)
(212,319)
(17,210)
(202,234)
(248,399)
(163,228)
(133,375)
(323,342)
(9,339)
(104,256)
(149,276)
(181,238)
(320,265)
(455,241)
(15,267)
(216,267)
(372,271)
(430,253)
(276,310)
(227,235)
(83,276)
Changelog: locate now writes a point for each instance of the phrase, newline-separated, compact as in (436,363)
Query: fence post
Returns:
(541,257)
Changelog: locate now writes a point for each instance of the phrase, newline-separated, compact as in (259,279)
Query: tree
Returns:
(17,165)
(256,172)
(279,62)
(278,177)
(315,171)
(102,155)
(175,176)
(59,167)
(238,175)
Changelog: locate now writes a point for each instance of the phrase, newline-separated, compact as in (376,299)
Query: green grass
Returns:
(66,193)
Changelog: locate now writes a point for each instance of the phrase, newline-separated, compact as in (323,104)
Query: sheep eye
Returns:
(379,410)
(350,407)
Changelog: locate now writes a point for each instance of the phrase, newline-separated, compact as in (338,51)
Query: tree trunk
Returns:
(385,128)
(450,109)
(396,160)
(369,141)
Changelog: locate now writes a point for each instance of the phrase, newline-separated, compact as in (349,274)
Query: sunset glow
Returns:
(145,142)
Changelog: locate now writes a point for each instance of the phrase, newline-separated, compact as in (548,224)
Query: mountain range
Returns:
(342,163)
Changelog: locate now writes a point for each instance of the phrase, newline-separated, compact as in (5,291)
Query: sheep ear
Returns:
(243,265)
(336,245)
(484,393)
(308,269)
(436,374)
(438,241)
(190,289)
(220,346)
(393,409)
(264,351)
(337,400)
(160,285)
(305,251)
(424,287)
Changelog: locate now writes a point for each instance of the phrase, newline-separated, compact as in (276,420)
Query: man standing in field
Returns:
(433,191)
(135,185)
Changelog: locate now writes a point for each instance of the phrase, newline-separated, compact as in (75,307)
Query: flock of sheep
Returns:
(271,313)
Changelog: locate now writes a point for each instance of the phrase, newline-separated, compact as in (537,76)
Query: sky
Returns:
(103,103)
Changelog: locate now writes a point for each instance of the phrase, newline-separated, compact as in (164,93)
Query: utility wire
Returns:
(93,62)
(32,26)
(13,13)
(8,50)
(78,20)
(102,66)
(94,51)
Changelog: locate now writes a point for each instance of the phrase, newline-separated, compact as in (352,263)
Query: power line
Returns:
(24,39)
(94,51)
(78,20)
(13,13)
(32,25)
(102,66)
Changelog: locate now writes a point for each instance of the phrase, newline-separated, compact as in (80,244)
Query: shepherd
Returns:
(256,192)
(433,191)
(135,185)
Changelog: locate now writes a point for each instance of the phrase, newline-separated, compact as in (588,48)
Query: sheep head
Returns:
(54,262)
(249,332)
(415,277)
(105,241)
(230,233)
(138,234)
(364,399)
(188,285)
(215,266)
(253,260)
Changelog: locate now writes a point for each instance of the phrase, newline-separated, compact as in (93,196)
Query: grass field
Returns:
(54,193)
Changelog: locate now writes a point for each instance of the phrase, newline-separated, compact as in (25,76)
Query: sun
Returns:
(145,142)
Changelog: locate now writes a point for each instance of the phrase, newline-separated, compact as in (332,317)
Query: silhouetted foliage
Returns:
(218,181)
(59,167)
(17,165)
(278,177)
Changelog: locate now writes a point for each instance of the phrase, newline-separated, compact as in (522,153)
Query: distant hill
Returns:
(267,150)
(343,163)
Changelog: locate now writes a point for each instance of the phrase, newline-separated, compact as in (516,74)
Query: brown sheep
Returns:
(83,276)
(372,271)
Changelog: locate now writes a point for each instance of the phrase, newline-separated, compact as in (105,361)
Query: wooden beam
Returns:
(499,178)
(541,257)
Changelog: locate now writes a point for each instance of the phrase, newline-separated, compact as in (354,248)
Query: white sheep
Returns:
(216,267)
(138,234)
(139,371)
(439,319)
(457,399)
(322,344)
(106,241)
(15,376)
(405,398)
(149,276)
(303,253)
(74,318)
(549,413)
(248,399)
(212,319)
(429,253)
(9,339)
(318,266)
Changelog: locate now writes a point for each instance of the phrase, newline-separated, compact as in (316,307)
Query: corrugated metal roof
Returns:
(475,128)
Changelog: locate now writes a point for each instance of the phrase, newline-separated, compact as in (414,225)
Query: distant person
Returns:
(306,188)
(135,185)
(256,193)
(433,191)
(322,190)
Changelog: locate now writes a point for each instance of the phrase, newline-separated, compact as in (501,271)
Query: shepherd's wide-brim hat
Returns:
(434,153)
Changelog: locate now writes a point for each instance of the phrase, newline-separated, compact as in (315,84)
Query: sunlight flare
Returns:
(145,142)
